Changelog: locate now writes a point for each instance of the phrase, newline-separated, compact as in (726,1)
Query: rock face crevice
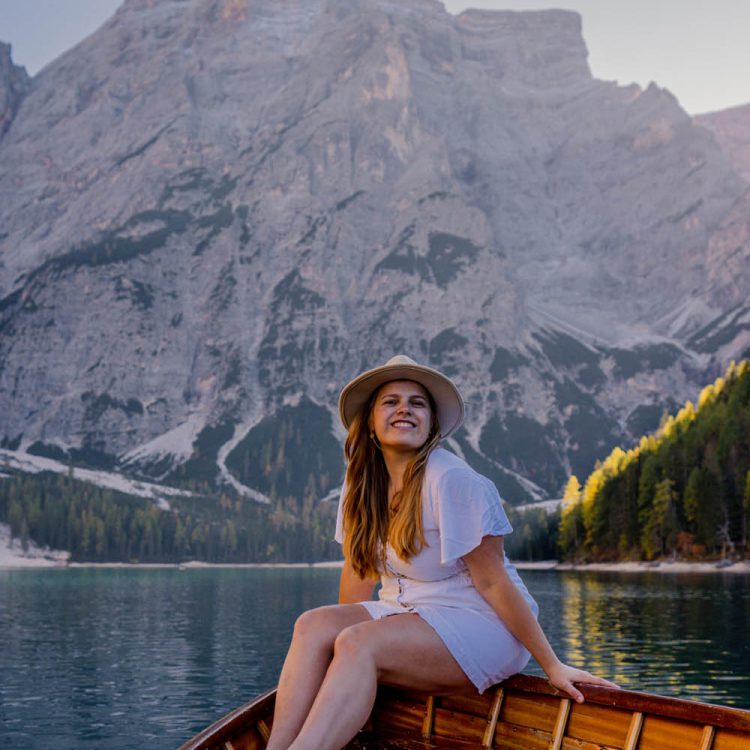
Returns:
(14,83)
(213,213)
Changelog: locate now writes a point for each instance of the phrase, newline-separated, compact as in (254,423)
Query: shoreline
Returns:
(14,557)
(664,566)
(654,566)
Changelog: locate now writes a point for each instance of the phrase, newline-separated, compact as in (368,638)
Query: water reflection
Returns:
(115,659)
(682,635)
(97,658)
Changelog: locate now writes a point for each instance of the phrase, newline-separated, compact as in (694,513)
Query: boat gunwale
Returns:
(649,704)
(696,712)
(228,726)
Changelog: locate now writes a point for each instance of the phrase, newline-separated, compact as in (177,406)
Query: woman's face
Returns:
(401,416)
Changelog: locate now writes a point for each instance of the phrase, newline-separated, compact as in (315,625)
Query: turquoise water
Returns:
(113,659)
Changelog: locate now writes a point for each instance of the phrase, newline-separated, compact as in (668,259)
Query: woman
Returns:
(431,529)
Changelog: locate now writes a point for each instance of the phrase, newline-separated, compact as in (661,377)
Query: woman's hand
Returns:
(562,677)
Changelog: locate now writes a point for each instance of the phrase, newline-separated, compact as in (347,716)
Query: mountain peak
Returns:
(215,212)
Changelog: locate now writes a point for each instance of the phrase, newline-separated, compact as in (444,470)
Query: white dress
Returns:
(459,507)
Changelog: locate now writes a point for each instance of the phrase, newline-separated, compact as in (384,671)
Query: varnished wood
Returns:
(429,718)
(726,739)
(560,723)
(237,722)
(523,713)
(659,733)
(601,725)
(489,733)
(707,740)
(530,710)
(263,729)
(692,711)
(458,726)
(634,731)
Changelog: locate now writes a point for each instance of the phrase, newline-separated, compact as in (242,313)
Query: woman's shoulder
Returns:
(449,477)
(442,462)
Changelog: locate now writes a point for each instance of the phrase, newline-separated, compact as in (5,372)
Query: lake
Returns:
(112,659)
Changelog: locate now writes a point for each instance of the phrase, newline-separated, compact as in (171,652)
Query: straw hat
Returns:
(450,405)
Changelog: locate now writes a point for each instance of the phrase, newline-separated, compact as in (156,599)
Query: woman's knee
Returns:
(318,626)
(355,642)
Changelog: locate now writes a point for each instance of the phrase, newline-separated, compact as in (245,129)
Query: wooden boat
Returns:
(521,713)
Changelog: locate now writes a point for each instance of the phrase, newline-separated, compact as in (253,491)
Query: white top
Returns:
(459,508)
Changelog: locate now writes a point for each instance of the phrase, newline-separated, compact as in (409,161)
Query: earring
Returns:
(374,439)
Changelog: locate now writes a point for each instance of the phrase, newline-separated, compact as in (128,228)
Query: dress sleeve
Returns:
(468,508)
(339,535)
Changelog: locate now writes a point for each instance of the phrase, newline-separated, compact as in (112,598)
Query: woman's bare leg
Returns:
(305,666)
(402,650)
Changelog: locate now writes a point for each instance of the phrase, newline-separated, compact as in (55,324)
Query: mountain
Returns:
(731,127)
(213,213)
(14,83)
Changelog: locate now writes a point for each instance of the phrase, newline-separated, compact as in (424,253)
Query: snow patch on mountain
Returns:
(15,554)
(31,464)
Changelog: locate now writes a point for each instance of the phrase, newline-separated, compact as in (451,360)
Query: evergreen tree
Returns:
(660,531)
(571,519)
(703,507)
(687,482)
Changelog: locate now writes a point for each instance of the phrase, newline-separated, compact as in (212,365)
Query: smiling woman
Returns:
(453,614)
(401,418)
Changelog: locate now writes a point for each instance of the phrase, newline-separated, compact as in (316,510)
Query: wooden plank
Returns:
(263,730)
(512,736)
(429,718)
(494,715)
(599,724)
(395,719)
(707,739)
(399,710)
(634,731)
(659,733)
(250,740)
(572,744)
(702,713)
(535,711)
(367,741)
(234,723)
(474,704)
(458,726)
(726,739)
(560,723)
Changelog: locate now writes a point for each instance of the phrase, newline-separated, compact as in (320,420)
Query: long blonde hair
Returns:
(368,521)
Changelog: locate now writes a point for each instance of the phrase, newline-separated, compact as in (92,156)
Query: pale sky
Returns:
(698,49)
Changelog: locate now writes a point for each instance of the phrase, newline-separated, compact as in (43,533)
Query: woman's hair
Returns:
(368,522)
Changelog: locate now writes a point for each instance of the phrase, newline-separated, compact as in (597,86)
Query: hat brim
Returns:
(448,402)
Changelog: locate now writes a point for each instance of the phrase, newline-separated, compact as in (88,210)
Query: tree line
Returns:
(684,490)
(100,525)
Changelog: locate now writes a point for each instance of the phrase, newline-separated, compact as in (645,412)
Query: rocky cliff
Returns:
(732,130)
(14,83)
(215,212)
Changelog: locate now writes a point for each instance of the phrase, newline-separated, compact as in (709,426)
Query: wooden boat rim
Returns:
(724,717)
(227,726)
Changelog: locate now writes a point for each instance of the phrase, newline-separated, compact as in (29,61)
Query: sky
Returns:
(698,49)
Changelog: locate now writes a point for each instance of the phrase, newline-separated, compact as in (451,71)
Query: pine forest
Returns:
(681,492)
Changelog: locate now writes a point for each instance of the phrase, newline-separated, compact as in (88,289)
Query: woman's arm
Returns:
(352,588)
(486,564)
